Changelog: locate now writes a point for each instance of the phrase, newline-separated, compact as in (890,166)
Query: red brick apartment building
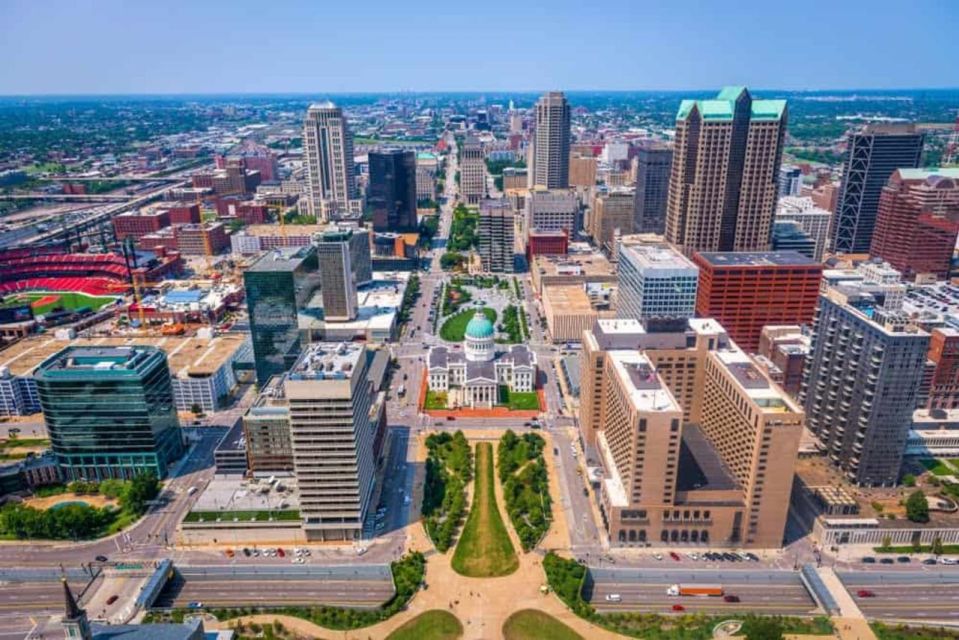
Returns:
(746,291)
(918,221)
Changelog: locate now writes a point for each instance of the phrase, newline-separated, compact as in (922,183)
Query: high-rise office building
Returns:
(496,236)
(697,444)
(552,210)
(278,286)
(550,152)
(788,235)
(472,171)
(872,154)
(654,163)
(110,412)
(337,285)
(725,172)
(746,291)
(611,216)
(329,395)
(655,281)
(328,152)
(918,221)
(861,383)
(813,220)
(790,181)
(582,170)
(392,193)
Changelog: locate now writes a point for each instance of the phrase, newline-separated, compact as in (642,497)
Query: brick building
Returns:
(918,221)
(547,243)
(745,291)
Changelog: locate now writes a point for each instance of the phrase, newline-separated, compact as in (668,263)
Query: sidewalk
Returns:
(851,623)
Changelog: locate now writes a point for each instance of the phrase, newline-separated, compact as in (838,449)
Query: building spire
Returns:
(73,610)
(74,621)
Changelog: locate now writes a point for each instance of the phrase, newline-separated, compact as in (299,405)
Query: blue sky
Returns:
(324,46)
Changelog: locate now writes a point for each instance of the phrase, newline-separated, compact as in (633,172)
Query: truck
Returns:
(700,590)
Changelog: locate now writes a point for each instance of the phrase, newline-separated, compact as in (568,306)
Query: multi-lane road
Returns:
(930,594)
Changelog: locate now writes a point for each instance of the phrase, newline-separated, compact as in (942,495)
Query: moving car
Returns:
(674,556)
(614,597)
(678,607)
(195,605)
(865,593)
(730,598)
(101,558)
(112,599)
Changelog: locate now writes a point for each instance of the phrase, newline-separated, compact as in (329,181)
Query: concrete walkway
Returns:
(850,624)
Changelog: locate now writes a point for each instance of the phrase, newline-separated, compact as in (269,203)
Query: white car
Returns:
(658,556)
(948,561)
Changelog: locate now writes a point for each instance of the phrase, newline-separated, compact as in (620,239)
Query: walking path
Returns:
(850,623)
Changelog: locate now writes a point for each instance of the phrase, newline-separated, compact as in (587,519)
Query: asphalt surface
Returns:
(932,594)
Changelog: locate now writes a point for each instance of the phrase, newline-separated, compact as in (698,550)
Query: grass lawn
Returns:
(519,400)
(454,328)
(242,516)
(484,549)
(897,632)
(68,300)
(430,625)
(435,400)
(530,624)
(937,467)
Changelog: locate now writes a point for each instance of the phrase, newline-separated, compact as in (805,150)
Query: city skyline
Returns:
(812,49)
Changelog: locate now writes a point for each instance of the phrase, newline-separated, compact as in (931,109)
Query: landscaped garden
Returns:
(522,471)
(449,466)
(21,448)
(518,400)
(408,574)
(512,326)
(454,328)
(435,624)
(901,632)
(530,624)
(435,400)
(484,549)
(124,501)
(242,516)
(937,467)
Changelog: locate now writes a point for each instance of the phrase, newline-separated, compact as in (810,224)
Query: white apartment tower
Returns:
(328,150)
(332,434)
(550,153)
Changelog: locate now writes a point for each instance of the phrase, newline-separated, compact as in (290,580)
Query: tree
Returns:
(909,480)
(143,488)
(886,543)
(759,628)
(936,547)
(917,507)
(196,409)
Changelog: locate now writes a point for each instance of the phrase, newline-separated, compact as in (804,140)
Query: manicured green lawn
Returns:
(897,632)
(530,624)
(937,467)
(519,400)
(435,400)
(242,516)
(484,549)
(454,328)
(430,625)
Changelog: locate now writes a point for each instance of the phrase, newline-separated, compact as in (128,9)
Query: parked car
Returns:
(752,556)
(869,560)
(101,558)
(281,553)
(195,605)
(887,561)
(246,552)
(904,559)
(674,556)
(930,561)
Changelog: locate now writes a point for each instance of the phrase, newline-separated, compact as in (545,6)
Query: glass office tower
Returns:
(278,285)
(110,411)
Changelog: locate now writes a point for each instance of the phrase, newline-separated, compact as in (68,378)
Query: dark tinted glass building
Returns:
(393,190)
(110,411)
(278,285)
(653,165)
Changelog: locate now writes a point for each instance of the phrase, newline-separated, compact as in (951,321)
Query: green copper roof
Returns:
(922,174)
(479,327)
(721,108)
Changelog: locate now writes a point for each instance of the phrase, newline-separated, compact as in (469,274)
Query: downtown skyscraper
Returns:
(328,152)
(550,149)
(725,172)
(872,154)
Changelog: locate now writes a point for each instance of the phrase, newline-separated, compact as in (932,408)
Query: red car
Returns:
(731,598)
(674,556)
(865,593)
(678,607)
(112,599)
(281,553)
